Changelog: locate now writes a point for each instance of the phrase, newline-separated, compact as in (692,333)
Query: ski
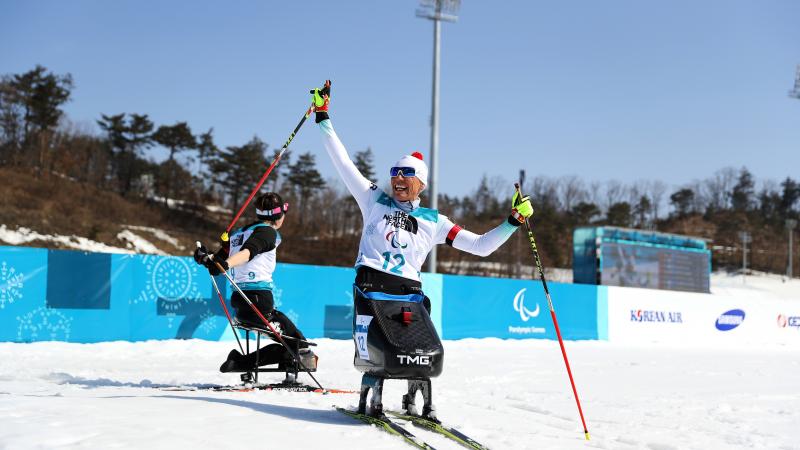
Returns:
(276,387)
(438,427)
(388,426)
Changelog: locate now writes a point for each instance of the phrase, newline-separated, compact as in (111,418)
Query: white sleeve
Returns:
(477,244)
(360,187)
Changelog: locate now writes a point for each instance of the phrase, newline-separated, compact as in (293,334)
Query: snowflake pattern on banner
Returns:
(277,298)
(43,324)
(277,302)
(169,278)
(293,316)
(11,284)
(206,324)
(349,302)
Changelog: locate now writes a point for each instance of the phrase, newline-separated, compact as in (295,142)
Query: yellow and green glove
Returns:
(321,99)
(521,209)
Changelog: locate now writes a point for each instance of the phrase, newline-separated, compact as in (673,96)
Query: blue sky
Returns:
(623,90)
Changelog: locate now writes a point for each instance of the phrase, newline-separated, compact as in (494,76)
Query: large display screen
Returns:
(654,267)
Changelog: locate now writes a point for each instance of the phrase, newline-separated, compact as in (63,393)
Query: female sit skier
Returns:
(392,330)
(251,255)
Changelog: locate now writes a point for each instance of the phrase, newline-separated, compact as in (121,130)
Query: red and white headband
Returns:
(274,211)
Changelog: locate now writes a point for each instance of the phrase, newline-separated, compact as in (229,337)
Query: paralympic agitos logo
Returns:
(519,306)
(392,238)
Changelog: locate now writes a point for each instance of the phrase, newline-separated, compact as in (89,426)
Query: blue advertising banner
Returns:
(77,296)
(476,307)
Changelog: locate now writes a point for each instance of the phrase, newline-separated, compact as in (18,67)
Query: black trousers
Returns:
(264,302)
(371,280)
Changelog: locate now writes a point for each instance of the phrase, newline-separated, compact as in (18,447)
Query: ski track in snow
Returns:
(507,394)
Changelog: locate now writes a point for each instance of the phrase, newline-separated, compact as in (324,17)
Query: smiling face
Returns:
(406,189)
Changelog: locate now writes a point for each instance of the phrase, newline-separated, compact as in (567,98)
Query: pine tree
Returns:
(742,194)
(30,109)
(177,138)
(305,179)
(364,163)
(619,214)
(239,168)
(127,139)
(682,201)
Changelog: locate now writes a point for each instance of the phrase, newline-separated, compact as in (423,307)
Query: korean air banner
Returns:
(693,319)
(477,307)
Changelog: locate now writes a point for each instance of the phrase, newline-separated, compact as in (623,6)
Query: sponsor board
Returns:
(638,316)
(508,308)
(729,320)
(785,321)
(642,315)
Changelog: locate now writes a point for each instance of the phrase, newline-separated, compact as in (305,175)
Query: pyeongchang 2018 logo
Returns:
(643,315)
(525,314)
(729,320)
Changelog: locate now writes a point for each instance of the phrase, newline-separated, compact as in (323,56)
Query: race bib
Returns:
(362,327)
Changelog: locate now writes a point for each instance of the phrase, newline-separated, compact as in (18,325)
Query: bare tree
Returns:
(595,193)
(656,190)
(572,191)
(719,187)
(699,201)
(615,193)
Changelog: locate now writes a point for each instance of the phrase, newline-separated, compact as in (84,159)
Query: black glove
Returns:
(200,254)
(202,257)
(320,100)
(213,268)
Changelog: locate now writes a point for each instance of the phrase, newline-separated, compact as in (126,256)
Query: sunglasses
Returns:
(406,172)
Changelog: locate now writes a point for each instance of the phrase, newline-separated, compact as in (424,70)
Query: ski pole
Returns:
(552,313)
(225,308)
(269,325)
(275,161)
(219,294)
(230,321)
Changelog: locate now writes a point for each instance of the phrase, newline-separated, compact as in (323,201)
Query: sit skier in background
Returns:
(392,329)
(251,256)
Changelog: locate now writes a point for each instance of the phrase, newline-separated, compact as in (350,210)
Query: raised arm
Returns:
(360,187)
(484,244)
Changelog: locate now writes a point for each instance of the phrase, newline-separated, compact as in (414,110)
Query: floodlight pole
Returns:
(433,11)
(795,93)
(790,224)
(434,175)
(745,236)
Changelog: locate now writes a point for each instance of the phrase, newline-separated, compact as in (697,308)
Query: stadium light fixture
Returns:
(437,11)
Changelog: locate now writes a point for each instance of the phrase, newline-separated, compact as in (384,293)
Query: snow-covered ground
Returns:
(135,243)
(756,286)
(508,394)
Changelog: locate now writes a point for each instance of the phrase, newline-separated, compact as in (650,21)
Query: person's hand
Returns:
(320,100)
(521,208)
(202,257)
(213,266)
(200,254)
